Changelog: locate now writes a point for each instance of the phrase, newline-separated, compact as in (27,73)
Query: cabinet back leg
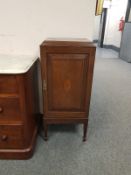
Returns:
(85,131)
(45,131)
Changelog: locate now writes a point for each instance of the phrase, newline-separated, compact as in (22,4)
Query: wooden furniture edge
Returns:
(20,154)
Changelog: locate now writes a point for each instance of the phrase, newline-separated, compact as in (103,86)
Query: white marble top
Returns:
(15,64)
(68,39)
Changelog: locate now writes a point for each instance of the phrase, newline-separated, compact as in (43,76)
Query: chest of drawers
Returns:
(67,72)
(17,107)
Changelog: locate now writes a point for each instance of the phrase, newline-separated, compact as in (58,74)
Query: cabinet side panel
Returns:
(31,88)
(28,104)
(90,78)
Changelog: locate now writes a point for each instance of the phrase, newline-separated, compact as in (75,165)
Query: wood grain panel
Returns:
(66,81)
(11,137)
(8,84)
(9,109)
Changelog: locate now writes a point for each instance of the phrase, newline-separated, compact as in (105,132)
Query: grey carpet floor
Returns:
(108,149)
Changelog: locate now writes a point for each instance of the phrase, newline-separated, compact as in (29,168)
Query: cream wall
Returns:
(24,24)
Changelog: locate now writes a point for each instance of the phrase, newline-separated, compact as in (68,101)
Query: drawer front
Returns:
(8,84)
(9,109)
(11,137)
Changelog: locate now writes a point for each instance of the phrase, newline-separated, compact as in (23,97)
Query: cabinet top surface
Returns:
(15,64)
(74,42)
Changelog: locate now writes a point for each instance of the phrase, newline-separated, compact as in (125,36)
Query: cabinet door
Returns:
(66,78)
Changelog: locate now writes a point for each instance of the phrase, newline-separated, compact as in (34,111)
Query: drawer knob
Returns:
(4,137)
(1,109)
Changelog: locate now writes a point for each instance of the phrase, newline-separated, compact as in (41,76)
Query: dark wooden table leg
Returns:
(85,131)
(45,131)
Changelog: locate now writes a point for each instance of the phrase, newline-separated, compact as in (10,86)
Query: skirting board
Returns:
(117,49)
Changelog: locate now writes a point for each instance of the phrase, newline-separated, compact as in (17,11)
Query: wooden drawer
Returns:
(11,136)
(9,109)
(8,84)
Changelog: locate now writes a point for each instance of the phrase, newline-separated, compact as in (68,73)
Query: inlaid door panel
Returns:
(66,82)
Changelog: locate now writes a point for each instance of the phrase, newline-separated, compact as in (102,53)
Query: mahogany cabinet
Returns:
(67,73)
(17,108)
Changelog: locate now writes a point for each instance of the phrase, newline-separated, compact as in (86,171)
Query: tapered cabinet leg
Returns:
(45,131)
(85,131)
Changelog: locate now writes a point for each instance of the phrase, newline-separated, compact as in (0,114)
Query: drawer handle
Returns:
(1,109)
(4,137)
